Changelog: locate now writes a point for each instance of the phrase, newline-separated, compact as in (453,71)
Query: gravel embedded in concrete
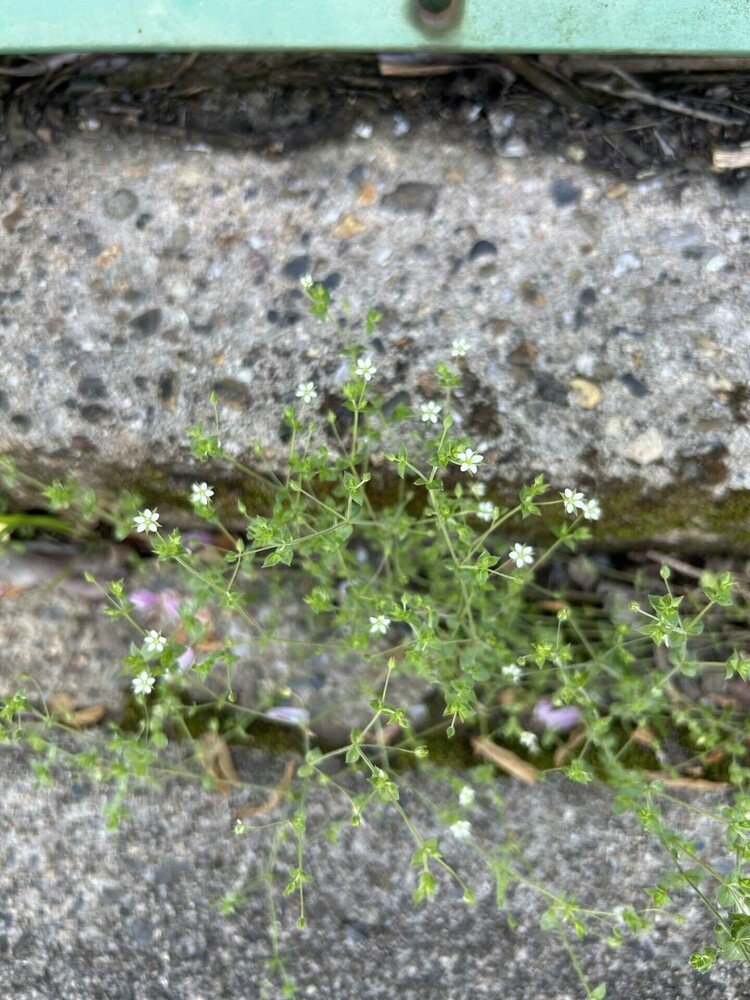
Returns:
(606,323)
(129,915)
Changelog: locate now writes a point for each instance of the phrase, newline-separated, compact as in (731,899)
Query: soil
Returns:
(581,108)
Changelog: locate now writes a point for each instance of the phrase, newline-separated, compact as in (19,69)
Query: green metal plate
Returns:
(663,26)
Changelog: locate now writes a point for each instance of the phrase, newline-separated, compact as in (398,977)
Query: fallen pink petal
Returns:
(288,714)
(195,539)
(144,600)
(170,602)
(561,719)
(186,660)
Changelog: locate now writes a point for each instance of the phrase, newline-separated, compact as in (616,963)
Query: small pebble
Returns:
(515,148)
(575,153)
(363,130)
(613,427)
(120,204)
(412,196)
(626,262)
(586,394)
(717,263)
(401,124)
(564,192)
(634,386)
(297,267)
(648,447)
(501,123)
(482,248)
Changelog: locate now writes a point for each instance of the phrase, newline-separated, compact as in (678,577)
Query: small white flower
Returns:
(521,555)
(592,510)
(459,347)
(306,282)
(478,490)
(466,796)
(144,683)
(512,671)
(461,829)
(468,459)
(572,501)
(306,392)
(147,520)
(365,368)
(201,495)
(154,642)
(486,511)
(529,740)
(379,623)
(239,828)
(429,412)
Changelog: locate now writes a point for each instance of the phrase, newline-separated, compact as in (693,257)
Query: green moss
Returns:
(683,514)
(275,737)
(456,753)
(156,485)
(132,715)
(264,734)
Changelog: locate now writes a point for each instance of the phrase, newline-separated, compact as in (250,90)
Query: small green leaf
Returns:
(702,961)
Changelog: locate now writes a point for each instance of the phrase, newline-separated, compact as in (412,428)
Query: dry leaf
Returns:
(585,393)
(90,716)
(563,753)
(63,707)
(217,760)
(347,226)
(275,797)
(506,760)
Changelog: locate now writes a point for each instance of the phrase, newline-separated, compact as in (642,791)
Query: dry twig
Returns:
(636,93)
(506,760)
(694,784)
(676,564)
(731,159)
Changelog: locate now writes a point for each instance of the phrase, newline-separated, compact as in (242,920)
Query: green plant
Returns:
(407,567)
